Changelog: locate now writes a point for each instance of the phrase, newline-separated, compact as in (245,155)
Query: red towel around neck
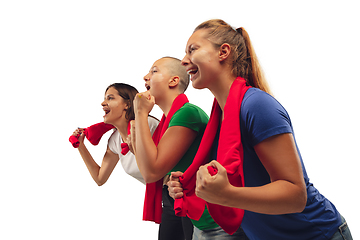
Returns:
(92,133)
(153,195)
(124,146)
(230,154)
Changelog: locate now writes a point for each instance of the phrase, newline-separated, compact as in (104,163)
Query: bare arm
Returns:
(99,174)
(285,194)
(154,162)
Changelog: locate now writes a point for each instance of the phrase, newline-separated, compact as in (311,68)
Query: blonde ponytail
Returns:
(255,75)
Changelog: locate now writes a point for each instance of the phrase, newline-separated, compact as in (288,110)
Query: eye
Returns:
(191,49)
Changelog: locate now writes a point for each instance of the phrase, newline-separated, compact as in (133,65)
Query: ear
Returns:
(174,81)
(127,106)
(224,52)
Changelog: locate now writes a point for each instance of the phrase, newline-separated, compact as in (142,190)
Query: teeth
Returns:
(192,71)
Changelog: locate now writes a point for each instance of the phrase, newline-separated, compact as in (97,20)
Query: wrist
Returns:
(141,114)
(81,146)
(227,193)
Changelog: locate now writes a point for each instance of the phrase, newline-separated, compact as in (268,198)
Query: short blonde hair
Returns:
(176,69)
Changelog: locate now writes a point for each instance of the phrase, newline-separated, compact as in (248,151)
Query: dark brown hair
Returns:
(128,93)
(243,58)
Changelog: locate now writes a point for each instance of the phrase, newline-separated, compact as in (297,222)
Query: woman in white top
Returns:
(119,111)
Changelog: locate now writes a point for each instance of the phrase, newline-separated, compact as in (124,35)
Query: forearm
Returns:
(279,197)
(91,165)
(146,150)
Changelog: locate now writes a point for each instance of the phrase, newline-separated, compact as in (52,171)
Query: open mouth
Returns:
(106,111)
(192,71)
(147,87)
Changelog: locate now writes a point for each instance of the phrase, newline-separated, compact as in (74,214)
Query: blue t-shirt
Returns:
(261,117)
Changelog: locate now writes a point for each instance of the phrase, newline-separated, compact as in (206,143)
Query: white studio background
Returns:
(58,57)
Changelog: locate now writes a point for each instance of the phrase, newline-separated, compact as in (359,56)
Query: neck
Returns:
(221,89)
(121,126)
(166,103)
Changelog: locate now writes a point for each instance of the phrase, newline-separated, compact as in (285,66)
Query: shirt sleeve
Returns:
(153,123)
(113,142)
(189,116)
(263,117)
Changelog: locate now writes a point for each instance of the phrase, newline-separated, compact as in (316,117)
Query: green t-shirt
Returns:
(195,118)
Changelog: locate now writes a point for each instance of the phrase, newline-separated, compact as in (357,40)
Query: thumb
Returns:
(152,99)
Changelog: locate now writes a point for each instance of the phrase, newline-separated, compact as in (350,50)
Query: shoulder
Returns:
(255,97)
(153,123)
(191,111)
(114,142)
(190,116)
(263,116)
(115,136)
(257,102)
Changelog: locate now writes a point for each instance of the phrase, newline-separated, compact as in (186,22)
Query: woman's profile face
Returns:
(201,60)
(114,107)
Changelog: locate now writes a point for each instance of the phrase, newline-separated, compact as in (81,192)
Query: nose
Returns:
(185,61)
(103,103)
(146,77)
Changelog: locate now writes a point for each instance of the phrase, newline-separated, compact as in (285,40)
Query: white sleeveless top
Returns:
(128,161)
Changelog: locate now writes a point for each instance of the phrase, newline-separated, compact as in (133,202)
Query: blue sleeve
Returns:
(263,116)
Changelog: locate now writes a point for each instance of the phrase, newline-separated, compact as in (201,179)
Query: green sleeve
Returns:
(189,116)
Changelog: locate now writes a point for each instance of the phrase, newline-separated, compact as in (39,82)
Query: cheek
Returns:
(203,60)
(116,108)
(156,85)
(202,55)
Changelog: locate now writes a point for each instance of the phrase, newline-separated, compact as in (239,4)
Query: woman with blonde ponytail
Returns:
(255,75)
(257,178)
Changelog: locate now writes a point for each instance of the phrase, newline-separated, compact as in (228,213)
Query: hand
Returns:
(144,102)
(79,132)
(175,187)
(212,188)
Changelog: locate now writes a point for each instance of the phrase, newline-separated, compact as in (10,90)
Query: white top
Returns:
(128,161)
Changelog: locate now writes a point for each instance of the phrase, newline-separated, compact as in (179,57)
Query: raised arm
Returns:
(285,194)
(154,161)
(99,174)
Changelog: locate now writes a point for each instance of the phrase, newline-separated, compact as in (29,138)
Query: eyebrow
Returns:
(153,68)
(109,95)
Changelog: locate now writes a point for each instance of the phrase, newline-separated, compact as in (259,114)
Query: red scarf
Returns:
(153,195)
(92,133)
(230,154)
(124,146)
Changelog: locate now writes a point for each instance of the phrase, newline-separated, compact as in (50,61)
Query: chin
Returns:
(107,121)
(197,85)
